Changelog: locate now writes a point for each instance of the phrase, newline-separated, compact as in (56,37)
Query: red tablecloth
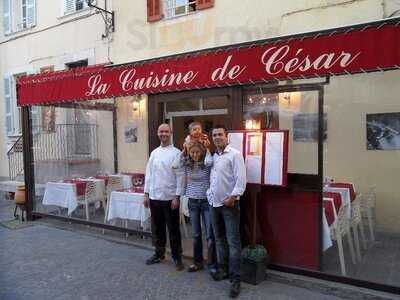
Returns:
(345,185)
(104,177)
(80,185)
(337,199)
(330,217)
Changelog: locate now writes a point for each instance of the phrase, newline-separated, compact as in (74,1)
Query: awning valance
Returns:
(348,50)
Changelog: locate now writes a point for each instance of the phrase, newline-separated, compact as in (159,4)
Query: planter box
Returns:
(253,272)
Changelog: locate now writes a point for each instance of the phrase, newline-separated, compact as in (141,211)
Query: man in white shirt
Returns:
(163,186)
(227,184)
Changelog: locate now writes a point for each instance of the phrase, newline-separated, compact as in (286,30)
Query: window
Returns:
(77,64)
(73,6)
(8,101)
(18,15)
(13,112)
(174,8)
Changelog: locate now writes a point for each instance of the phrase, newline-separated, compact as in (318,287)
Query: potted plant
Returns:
(255,259)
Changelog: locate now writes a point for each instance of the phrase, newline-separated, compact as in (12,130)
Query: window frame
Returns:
(66,13)
(166,7)
(17,22)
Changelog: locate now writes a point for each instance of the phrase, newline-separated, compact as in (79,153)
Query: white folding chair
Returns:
(356,222)
(339,229)
(368,209)
(89,197)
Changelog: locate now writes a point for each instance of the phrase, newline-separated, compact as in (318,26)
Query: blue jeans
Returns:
(200,209)
(226,222)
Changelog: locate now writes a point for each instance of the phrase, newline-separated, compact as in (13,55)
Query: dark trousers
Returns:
(163,216)
(226,225)
(200,209)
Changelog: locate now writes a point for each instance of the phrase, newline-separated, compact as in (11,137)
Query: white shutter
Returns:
(8,102)
(7,16)
(68,6)
(30,13)
(16,111)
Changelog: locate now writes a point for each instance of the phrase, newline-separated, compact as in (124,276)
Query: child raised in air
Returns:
(196,135)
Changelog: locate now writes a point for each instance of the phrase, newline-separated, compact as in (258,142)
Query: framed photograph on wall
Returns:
(383,131)
(130,133)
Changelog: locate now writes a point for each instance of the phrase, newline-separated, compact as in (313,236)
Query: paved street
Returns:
(41,262)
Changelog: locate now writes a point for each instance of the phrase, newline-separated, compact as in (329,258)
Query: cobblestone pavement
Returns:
(41,262)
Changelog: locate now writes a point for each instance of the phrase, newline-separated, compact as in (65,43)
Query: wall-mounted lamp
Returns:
(286,96)
(135,105)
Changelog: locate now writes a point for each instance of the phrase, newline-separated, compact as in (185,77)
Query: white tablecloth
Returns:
(61,194)
(128,206)
(345,195)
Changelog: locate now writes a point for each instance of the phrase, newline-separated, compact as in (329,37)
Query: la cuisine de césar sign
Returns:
(368,49)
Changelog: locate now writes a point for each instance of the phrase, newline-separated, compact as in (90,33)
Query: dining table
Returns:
(127,204)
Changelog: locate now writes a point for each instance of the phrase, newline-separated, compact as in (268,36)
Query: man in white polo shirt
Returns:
(163,186)
(227,184)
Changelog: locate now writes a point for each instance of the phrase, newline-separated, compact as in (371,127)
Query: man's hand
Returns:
(175,203)
(146,201)
(230,201)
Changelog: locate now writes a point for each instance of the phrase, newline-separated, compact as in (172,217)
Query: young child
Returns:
(196,135)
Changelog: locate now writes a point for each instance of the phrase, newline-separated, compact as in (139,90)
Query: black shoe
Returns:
(219,275)
(235,289)
(178,264)
(195,267)
(155,259)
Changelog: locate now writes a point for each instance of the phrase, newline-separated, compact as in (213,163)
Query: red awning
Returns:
(362,48)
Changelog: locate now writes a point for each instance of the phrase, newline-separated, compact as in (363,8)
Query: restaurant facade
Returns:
(335,91)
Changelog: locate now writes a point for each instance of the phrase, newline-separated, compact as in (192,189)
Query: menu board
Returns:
(265,153)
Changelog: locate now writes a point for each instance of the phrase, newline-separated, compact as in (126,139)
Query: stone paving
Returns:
(41,262)
(73,262)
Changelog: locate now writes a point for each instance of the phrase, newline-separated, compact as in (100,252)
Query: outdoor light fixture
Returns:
(135,105)
(108,17)
(286,96)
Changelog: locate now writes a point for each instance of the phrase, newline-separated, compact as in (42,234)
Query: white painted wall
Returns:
(54,41)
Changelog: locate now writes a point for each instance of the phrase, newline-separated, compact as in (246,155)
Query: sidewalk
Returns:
(42,262)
